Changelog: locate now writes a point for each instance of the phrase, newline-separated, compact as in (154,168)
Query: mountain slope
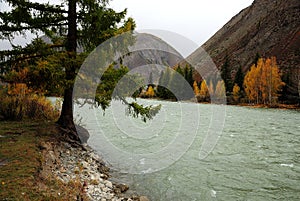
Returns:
(268,28)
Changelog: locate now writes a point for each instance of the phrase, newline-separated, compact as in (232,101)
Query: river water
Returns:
(256,156)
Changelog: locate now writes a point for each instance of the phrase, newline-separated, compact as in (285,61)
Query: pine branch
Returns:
(6,30)
(18,54)
(37,6)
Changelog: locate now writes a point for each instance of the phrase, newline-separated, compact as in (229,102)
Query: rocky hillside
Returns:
(268,28)
(149,54)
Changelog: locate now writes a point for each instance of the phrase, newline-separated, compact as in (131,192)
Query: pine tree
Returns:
(189,77)
(239,78)
(179,70)
(226,74)
(85,22)
(256,58)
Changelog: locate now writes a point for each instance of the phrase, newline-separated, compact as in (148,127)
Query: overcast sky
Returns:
(197,20)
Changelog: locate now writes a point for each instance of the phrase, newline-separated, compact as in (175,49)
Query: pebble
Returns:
(85,165)
(144,198)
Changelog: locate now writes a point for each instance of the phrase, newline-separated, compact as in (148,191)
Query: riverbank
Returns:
(37,164)
(251,105)
(277,106)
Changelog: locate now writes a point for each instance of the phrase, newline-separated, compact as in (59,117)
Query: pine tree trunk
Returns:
(66,116)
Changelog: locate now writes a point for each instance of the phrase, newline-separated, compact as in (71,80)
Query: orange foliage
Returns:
(204,89)
(263,81)
(150,92)
(18,102)
(236,92)
(19,89)
(196,88)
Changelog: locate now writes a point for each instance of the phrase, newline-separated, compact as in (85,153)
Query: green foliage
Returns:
(109,80)
(175,81)
(239,78)
(144,113)
(87,23)
(164,83)
(188,75)
(187,72)
(256,58)
(226,75)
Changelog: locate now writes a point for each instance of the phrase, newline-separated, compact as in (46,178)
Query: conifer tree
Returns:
(226,75)
(72,22)
(239,78)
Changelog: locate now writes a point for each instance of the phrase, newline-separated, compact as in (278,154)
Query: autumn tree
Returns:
(204,94)
(263,82)
(150,92)
(196,89)
(251,84)
(236,92)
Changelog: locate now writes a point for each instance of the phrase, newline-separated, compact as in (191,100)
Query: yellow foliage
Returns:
(204,89)
(263,81)
(251,84)
(19,89)
(150,92)
(18,102)
(236,92)
(196,88)
(17,76)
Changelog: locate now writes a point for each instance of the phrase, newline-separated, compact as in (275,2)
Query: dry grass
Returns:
(19,103)
(21,162)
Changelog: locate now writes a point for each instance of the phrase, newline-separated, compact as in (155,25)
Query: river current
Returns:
(256,155)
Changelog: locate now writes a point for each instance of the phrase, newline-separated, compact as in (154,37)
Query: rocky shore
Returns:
(82,166)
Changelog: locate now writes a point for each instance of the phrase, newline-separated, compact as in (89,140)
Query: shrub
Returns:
(17,102)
